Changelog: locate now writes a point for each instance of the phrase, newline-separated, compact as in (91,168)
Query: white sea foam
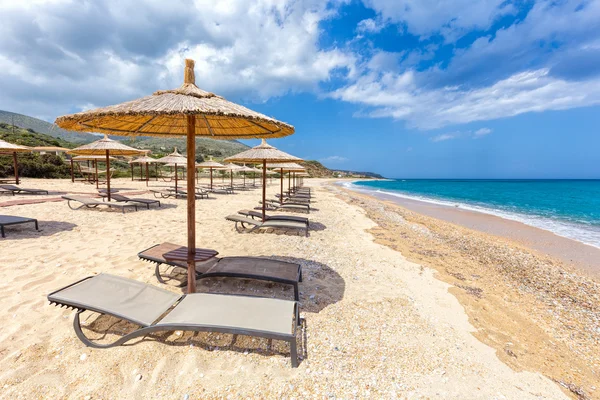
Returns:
(579,232)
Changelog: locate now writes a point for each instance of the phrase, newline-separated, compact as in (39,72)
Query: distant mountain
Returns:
(28,137)
(317,170)
(44,127)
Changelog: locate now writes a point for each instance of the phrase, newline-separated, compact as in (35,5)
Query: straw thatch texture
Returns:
(173,158)
(91,158)
(165,114)
(6,147)
(232,167)
(287,167)
(143,160)
(209,164)
(99,147)
(50,148)
(262,152)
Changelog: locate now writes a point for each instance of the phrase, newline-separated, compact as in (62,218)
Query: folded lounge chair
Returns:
(155,310)
(6,220)
(92,203)
(122,198)
(18,190)
(245,223)
(257,268)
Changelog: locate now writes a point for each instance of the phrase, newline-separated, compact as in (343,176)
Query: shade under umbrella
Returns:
(188,111)
(211,165)
(264,153)
(8,148)
(105,147)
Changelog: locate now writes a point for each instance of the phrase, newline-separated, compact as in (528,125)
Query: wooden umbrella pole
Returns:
(289,180)
(97,177)
(147,175)
(108,174)
(175,180)
(231,180)
(264,190)
(16,167)
(211,179)
(156,170)
(131,171)
(281,183)
(141,171)
(72,175)
(191,202)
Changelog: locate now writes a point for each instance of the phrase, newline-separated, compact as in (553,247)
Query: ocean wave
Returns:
(589,235)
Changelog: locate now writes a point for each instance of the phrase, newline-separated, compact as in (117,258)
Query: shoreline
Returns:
(538,313)
(575,253)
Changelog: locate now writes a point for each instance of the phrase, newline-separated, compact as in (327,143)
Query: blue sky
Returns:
(405,88)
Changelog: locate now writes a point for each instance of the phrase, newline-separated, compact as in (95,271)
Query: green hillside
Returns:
(204,147)
(44,127)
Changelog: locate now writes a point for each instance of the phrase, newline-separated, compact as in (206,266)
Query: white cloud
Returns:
(399,96)
(482,132)
(105,52)
(334,159)
(445,136)
(370,25)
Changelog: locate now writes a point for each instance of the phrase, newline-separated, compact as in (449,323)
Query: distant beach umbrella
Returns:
(232,168)
(9,148)
(106,147)
(175,158)
(263,153)
(143,161)
(211,165)
(188,111)
(286,167)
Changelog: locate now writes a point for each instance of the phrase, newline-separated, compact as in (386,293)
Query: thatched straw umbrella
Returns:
(245,169)
(176,158)
(264,153)
(188,111)
(94,160)
(8,148)
(210,164)
(145,160)
(231,168)
(106,146)
(286,167)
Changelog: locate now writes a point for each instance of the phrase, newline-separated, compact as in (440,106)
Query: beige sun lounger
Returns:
(245,224)
(92,203)
(159,310)
(19,190)
(123,198)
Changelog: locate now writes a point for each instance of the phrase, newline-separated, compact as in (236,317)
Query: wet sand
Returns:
(567,250)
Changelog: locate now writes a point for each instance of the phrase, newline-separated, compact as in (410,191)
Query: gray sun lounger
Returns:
(165,194)
(7,220)
(245,223)
(122,198)
(158,310)
(92,203)
(276,205)
(257,268)
(258,215)
(18,190)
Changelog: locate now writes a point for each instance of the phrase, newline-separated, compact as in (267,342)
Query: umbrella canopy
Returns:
(90,158)
(264,153)
(143,160)
(106,146)
(188,111)
(7,148)
(50,149)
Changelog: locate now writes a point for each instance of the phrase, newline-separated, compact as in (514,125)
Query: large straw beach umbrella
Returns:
(8,148)
(95,160)
(176,158)
(106,147)
(263,153)
(144,160)
(286,167)
(188,111)
(210,164)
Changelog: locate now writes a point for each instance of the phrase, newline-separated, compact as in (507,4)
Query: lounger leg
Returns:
(120,341)
(36,225)
(157,273)
(2,229)
(296,293)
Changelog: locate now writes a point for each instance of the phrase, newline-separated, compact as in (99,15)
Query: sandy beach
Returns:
(395,304)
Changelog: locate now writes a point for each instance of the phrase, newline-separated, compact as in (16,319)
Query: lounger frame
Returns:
(25,221)
(98,203)
(157,327)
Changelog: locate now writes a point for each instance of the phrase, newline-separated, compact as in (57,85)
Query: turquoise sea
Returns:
(570,208)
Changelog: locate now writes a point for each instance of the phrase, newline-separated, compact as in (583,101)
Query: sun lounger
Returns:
(19,190)
(158,310)
(171,192)
(4,191)
(92,203)
(6,220)
(276,205)
(258,215)
(250,225)
(262,269)
(293,199)
(122,198)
